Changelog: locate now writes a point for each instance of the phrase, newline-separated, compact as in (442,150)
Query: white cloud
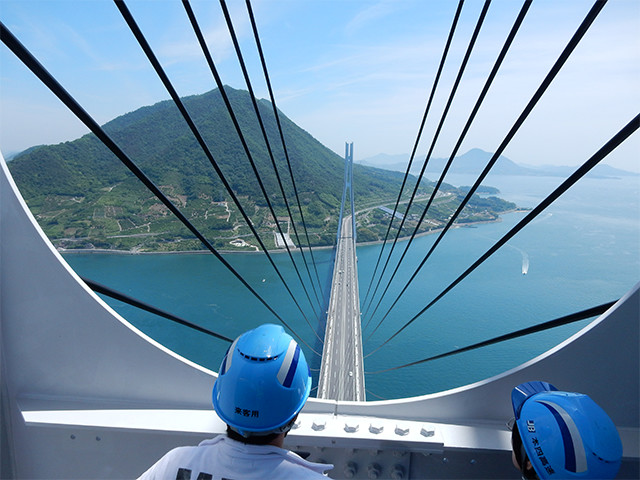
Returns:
(369,14)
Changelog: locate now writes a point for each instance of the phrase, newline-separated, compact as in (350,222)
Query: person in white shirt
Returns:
(262,385)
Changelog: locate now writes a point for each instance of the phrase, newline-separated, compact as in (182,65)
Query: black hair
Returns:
(265,439)
(252,439)
(521,455)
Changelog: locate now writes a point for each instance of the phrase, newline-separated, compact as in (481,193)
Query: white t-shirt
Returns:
(222,458)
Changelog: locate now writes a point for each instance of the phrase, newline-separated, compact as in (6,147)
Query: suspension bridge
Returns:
(56,411)
(344,309)
(342,371)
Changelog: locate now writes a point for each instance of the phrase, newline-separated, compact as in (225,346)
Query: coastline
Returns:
(106,251)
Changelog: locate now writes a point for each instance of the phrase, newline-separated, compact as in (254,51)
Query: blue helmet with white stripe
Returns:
(565,435)
(263,382)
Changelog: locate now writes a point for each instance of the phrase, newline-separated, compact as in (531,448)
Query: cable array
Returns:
(436,80)
(236,124)
(174,95)
(452,95)
(597,157)
(572,44)
(483,93)
(57,89)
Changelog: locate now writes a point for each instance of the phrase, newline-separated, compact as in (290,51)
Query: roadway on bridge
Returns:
(342,370)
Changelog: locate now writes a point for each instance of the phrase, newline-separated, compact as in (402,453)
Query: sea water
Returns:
(582,251)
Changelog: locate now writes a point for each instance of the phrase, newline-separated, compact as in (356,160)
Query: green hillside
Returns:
(83,197)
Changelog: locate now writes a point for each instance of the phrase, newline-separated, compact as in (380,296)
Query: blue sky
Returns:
(344,70)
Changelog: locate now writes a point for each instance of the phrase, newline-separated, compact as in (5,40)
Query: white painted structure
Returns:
(87,395)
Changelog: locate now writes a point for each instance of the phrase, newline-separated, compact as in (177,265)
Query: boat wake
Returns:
(525,259)
(525,263)
(525,255)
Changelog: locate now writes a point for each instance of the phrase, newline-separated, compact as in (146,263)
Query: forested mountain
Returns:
(85,198)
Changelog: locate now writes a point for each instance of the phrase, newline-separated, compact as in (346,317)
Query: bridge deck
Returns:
(342,370)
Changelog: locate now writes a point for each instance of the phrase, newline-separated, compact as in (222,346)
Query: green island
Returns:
(86,200)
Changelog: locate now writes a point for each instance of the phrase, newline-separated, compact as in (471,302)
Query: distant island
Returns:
(86,200)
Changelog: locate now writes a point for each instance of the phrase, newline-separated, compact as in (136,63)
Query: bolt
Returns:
(427,431)
(376,428)
(350,470)
(318,425)
(351,428)
(374,470)
(398,472)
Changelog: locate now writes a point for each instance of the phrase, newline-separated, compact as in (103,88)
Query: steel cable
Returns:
(109,292)
(558,322)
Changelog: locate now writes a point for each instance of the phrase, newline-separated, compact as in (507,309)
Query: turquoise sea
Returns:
(581,252)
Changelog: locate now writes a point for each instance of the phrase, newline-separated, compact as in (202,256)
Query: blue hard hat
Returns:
(263,382)
(565,435)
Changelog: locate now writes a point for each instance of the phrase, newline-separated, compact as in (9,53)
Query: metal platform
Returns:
(87,395)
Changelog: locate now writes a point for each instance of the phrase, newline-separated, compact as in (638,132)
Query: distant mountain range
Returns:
(474,161)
